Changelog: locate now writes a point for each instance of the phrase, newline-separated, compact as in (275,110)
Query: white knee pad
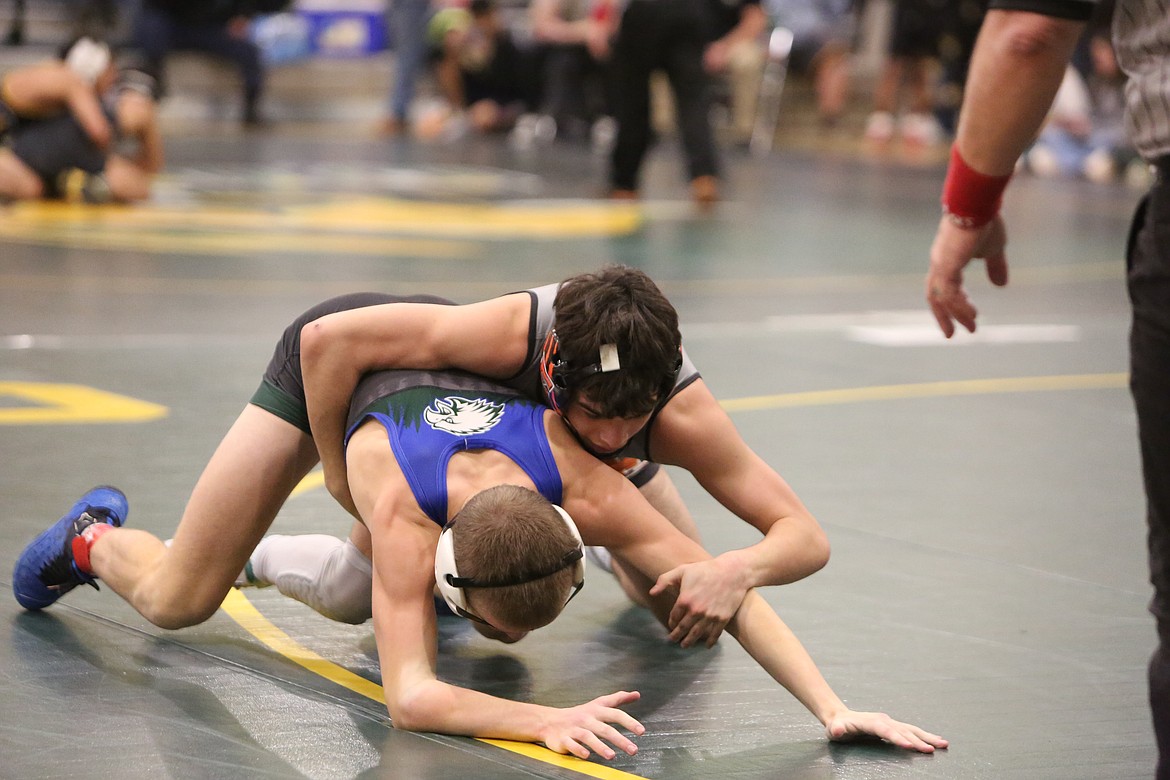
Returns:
(329,574)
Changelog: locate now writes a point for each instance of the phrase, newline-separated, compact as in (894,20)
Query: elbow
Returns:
(312,337)
(401,719)
(412,711)
(319,338)
(819,550)
(814,547)
(403,716)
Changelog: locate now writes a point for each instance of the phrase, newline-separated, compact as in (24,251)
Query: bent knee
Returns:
(340,598)
(353,613)
(177,610)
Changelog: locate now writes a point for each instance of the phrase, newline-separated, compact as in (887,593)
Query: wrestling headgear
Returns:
(452,586)
(559,378)
(88,58)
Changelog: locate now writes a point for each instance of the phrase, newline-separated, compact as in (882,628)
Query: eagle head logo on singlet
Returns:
(463,416)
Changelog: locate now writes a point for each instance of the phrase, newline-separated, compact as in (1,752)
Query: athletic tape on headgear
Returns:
(559,378)
(452,586)
(88,59)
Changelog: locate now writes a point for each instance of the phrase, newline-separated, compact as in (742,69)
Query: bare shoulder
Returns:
(695,432)
(691,410)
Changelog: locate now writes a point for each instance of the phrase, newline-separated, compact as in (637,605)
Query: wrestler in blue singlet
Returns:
(430,416)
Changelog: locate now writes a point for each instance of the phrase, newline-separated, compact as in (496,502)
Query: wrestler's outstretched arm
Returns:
(610,511)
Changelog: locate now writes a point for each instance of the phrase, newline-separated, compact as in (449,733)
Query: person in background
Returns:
(1017,67)
(823,34)
(51,88)
(1084,135)
(215,27)
(903,100)
(486,81)
(55,158)
(576,37)
(670,36)
(407,21)
(960,28)
(736,52)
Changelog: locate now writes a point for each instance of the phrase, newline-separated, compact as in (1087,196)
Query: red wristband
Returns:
(970,198)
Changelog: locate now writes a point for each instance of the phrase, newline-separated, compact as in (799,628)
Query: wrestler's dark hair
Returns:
(622,306)
(505,533)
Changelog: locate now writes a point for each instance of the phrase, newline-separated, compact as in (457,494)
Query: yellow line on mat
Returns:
(251,620)
(1028,384)
(237,606)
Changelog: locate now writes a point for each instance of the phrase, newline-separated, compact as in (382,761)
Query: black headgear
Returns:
(559,377)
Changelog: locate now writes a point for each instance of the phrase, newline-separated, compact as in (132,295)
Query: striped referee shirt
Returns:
(1141,38)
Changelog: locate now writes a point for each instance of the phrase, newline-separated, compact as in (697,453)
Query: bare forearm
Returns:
(772,644)
(793,549)
(1016,69)
(448,709)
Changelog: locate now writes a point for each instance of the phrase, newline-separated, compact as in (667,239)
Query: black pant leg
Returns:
(691,85)
(1149,290)
(635,55)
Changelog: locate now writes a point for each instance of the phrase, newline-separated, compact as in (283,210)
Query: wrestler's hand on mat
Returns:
(953,248)
(849,725)
(709,595)
(580,730)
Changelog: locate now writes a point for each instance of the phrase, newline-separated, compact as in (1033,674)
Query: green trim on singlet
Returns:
(271,398)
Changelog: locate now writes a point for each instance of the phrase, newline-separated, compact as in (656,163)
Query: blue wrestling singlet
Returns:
(431,416)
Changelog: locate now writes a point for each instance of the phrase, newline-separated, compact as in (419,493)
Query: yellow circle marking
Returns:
(351,226)
(62,403)
(247,616)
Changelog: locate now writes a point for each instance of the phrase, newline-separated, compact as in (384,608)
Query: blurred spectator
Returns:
(15,36)
(96,17)
(485,79)
(216,27)
(55,157)
(823,33)
(961,25)
(49,89)
(407,20)
(671,36)
(1085,131)
(914,38)
(736,51)
(575,36)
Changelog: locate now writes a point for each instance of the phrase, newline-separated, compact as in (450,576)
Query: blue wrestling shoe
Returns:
(45,571)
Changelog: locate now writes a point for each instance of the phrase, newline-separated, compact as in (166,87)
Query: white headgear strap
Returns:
(88,59)
(446,570)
